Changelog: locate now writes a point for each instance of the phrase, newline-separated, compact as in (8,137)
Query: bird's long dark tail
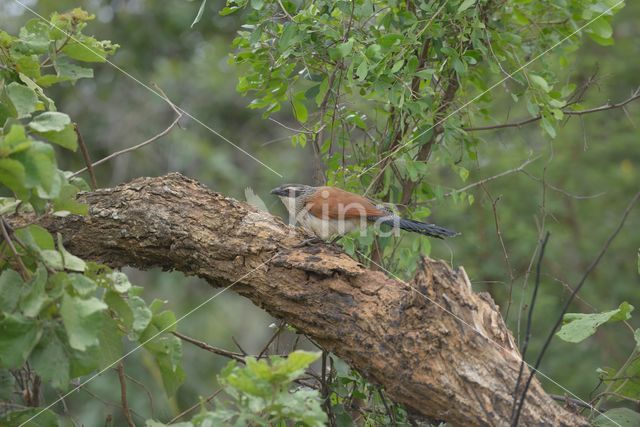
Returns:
(430,230)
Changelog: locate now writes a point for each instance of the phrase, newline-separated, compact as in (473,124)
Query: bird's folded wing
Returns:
(334,203)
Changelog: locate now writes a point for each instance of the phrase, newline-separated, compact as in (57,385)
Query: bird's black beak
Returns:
(279,191)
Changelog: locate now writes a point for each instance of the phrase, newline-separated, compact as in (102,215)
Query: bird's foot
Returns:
(309,242)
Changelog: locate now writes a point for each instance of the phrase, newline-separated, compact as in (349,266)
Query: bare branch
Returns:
(568,112)
(85,155)
(142,144)
(203,345)
(569,300)
(195,406)
(5,234)
(123,395)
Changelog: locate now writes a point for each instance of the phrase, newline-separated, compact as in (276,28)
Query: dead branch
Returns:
(396,334)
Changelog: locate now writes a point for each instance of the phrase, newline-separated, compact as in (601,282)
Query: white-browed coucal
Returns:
(330,211)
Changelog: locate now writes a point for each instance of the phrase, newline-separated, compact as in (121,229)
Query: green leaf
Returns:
(66,138)
(18,336)
(110,342)
(362,70)
(69,261)
(86,49)
(141,315)
(40,167)
(120,281)
(23,98)
(466,4)
(579,326)
(66,70)
(172,379)
(35,237)
(117,303)
(618,417)
(12,174)
(82,318)
(298,361)
(600,31)
(50,121)
(83,362)
(344,49)
(299,109)
(82,284)
(165,321)
(548,127)
(34,37)
(199,14)
(66,201)
(540,82)
(52,259)
(34,299)
(11,286)
(50,360)
(397,66)
(636,336)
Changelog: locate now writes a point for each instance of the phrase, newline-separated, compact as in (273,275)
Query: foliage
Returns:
(375,85)
(260,395)
(622,384)
(61,318)
(578,326)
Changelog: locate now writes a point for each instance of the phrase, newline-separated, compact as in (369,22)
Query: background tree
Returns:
(385,99)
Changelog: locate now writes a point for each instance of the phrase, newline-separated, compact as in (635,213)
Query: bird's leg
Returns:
(309,242)
(334,241)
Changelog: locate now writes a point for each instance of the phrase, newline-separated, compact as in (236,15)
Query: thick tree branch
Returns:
(396,334)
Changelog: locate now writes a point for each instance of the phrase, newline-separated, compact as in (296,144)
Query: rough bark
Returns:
(400,335)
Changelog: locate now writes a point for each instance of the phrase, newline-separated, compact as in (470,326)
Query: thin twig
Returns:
(244,353)
(239,357)
(273,337)
(203,345)
(568,112)
(123,395)
(186,411)
(485,180)
(593,265)
(503,246)
(570,400)
(142,144)
(516,415)
(85,155)
(146,390)
(491,178)
(390,413)
(5,234)
(107,402)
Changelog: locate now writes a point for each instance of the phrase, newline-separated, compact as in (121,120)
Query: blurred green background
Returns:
(591,171)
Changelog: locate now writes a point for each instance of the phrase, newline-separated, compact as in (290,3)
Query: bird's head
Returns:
(292,191)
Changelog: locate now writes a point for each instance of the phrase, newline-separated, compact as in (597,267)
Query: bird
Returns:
(327,212)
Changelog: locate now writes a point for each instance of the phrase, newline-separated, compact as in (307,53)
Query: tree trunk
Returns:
(461,369)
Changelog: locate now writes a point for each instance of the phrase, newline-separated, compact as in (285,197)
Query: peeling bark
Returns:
(458,369)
